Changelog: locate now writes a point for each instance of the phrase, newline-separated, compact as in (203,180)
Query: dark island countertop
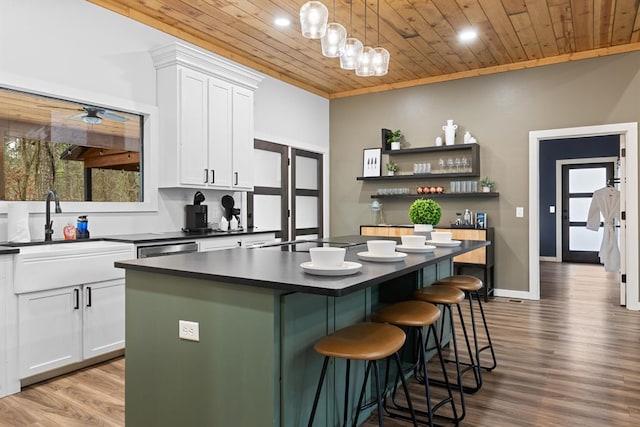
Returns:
(279,270)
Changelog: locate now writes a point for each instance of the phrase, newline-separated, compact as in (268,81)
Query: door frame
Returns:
(283,192)
(559,164)
(629,136)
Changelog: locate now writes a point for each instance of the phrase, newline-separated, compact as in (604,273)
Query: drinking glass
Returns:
(465,164)
(441,164)
(458,163)
(450,164)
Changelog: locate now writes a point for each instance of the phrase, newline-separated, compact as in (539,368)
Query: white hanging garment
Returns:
(606,201)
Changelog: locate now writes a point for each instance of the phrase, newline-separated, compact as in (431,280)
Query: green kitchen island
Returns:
(258,316)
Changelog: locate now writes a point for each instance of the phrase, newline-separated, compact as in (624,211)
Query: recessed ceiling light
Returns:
(467,35)
(282,22)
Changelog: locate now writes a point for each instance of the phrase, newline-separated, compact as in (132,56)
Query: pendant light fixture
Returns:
(381,55)
(352,46)
(364,62)
(313,19)
(334,38)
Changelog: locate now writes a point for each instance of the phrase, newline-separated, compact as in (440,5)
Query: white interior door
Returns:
(621,175)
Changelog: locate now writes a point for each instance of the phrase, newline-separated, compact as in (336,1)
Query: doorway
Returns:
(629,173)
(288,195)
(579,181)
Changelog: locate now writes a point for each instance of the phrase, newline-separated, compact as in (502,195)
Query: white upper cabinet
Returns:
(206,119)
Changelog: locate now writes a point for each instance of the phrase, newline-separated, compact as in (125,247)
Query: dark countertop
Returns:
(139,238)
(179,235)
(7,250)
(275,269)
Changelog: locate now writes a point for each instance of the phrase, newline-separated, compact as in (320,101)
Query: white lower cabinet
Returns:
(103,318)
(62,326)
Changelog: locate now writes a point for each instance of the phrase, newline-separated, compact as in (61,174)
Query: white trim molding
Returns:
(508,293)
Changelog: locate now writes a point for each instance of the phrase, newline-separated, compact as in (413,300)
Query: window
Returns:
(84,152)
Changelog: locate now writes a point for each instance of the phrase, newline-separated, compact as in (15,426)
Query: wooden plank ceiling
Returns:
(421,36)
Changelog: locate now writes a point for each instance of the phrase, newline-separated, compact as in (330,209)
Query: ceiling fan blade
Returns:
(112,116)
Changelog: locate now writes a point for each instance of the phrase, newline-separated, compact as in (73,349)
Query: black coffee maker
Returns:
(197,220)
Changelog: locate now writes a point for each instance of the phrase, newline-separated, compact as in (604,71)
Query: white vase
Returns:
(450,132)
(486,189)
(467,137)
(395,145)
(438,141)
(390,173)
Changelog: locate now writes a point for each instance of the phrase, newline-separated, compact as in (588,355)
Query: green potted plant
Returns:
(424,214)
(394,139)
(392,168)
(487,184)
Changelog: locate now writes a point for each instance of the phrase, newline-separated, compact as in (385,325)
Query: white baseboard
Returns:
(508,293)
(550,259)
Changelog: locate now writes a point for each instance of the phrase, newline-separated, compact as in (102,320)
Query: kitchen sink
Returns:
(49,266)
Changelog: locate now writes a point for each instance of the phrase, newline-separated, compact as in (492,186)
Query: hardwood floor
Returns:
(571,359)
(90,397)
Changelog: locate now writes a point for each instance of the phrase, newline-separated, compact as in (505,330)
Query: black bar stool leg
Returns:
(490,344)
(473,356)
(318,390)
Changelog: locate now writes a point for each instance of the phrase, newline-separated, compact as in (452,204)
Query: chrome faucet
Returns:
(48,226)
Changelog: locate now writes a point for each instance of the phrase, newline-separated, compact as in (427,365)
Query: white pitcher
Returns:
(450,132)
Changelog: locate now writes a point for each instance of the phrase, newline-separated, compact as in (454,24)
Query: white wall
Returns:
(77,50)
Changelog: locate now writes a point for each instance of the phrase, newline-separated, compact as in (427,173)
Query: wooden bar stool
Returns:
(418,315)
(471,286)
(447,297)
(363,341)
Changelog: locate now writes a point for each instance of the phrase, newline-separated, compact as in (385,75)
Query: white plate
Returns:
(416,249)
(368,256)
(347,268)
(449,244)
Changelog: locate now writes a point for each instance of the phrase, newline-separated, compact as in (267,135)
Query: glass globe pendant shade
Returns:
(352,50)
(364,65)
(381,58)
(313,19)
(333,40)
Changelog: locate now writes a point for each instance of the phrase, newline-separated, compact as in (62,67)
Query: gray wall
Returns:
(499,110)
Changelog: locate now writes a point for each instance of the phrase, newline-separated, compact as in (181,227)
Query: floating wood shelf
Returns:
(435,195)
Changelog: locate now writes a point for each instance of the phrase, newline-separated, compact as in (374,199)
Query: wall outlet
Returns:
(519,212)
(188,330)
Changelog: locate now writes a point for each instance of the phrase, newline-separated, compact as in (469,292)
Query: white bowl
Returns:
(327,257)
(413,240)
(441,236)
(381,247)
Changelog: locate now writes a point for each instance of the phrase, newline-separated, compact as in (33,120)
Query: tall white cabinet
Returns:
(206,119)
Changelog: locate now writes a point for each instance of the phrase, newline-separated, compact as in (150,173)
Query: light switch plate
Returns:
(519,212)
(188,330)
(552,209)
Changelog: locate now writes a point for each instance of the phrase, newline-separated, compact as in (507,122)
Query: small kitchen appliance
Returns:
(231,214)
(197,218)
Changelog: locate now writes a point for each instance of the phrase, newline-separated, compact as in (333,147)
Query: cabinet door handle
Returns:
(88,296)
(213,176)
(236,174)
(206,175)
(76,295)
